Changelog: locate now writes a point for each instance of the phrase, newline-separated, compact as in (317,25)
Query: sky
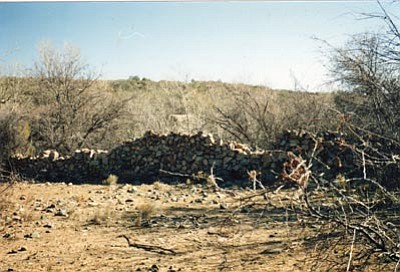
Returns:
(267,43)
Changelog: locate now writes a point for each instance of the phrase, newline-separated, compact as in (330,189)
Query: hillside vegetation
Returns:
(105,113)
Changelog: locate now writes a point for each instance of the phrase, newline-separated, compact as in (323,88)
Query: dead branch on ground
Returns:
(156,249)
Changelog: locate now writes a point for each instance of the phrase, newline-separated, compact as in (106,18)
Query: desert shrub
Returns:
(249,118)
(10,89)
(14,135)
(155,105)
(313,112)
(257,116)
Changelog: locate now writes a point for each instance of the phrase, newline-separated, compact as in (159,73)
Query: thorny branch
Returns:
(347,207)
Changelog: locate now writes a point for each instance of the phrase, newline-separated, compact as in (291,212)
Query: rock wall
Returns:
(140,160)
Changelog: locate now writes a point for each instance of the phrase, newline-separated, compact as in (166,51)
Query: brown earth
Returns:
(60,227)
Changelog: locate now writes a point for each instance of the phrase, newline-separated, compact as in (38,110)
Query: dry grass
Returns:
(15,204)
(111,180)
(145,212)
(159,186)
(102,216)
(7,203)
(79,199)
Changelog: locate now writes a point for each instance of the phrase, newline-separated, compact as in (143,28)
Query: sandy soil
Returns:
(60,227)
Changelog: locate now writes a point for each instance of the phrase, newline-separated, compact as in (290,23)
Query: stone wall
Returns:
(140,160)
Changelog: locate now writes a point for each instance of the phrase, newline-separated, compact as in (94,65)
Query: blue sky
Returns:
(253,42)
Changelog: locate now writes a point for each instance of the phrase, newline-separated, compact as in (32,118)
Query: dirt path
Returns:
(59,227)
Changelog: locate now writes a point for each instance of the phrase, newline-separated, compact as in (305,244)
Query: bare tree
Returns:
(368,66)
(257,117)
(72,109)
(357,224)
(248,118)
(356,217)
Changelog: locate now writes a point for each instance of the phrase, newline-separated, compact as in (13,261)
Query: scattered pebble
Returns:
(16,218)
(49,225)
(154,268)
(15,251)
(32,235)
(7,235)
(50,208)
(61,212)
(131,190)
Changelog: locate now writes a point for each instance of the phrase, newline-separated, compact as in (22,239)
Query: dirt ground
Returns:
(65,227)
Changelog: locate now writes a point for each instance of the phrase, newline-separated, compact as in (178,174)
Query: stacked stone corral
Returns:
(332,153)
(180,153)
(141,159)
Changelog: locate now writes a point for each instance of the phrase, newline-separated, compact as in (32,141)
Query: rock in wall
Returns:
(142,159)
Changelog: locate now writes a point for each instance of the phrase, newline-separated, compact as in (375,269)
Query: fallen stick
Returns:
(176,174)
(151,248)
(194,176)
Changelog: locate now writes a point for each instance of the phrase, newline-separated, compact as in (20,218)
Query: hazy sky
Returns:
(254,42)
